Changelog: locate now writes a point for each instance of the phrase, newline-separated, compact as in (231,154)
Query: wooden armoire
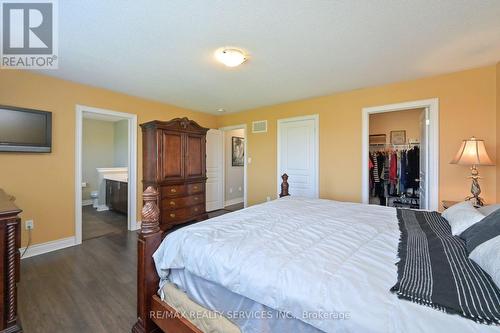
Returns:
(174,163)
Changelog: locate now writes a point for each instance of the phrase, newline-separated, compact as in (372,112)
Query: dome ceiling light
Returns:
(230,57)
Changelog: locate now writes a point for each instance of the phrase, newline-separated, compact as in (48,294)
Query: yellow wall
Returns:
(498,130)
(44,183)
(408,120)
(467,102)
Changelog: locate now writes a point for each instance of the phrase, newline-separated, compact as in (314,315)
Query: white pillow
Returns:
(487,256)
(461,216)
(487,210)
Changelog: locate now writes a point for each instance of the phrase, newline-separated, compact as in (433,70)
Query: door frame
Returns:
(132,165)
(314,117)
(432,151)
(245,186)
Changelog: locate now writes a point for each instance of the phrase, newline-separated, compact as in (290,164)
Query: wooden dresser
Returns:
(10,239)
(174,163)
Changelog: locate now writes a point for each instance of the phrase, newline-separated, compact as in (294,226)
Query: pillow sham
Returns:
(461,216)
(483,244)
(487,256)
(486,229)
(487,210)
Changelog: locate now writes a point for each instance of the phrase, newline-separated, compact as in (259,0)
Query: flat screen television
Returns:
(25,130)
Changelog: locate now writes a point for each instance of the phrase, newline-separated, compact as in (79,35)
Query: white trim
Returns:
(42,248)
(433,144)
(314,117)
(245,186)
(233,201)
(87,202)
(132,165)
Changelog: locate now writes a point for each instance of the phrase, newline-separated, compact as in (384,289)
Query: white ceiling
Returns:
(163,50)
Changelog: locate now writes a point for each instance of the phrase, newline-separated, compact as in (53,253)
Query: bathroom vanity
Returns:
(117,195)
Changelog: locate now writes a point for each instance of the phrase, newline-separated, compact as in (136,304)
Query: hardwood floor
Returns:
(97,224)
(86,288)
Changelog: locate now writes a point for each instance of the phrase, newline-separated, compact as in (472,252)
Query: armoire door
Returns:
(195,156)
(172,157)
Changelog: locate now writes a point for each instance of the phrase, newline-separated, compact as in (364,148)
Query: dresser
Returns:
(174,163)
(10,239)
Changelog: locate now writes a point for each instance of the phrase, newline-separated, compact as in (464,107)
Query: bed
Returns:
(292,264)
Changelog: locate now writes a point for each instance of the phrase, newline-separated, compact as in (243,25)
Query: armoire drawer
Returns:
(173,190)
(175,203)
(182,214)
(195,188)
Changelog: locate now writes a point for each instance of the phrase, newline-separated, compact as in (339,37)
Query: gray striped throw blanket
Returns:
(435,270)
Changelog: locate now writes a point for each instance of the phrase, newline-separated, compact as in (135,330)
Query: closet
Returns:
(174,162)
(395,158)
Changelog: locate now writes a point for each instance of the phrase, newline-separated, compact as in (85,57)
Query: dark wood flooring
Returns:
(97,224)
(86,288)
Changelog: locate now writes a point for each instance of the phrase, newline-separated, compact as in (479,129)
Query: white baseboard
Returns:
(87,202)
(233,201)
(102,208)
(42,248)
(137,226)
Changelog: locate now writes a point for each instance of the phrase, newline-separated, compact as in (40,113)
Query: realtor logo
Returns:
(29,35)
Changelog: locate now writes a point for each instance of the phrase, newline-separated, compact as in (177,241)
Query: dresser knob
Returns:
(196,209)
(195,187)
(172,215)
(172,203)
(173,190)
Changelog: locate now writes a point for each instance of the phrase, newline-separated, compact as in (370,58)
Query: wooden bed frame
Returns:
(154,315)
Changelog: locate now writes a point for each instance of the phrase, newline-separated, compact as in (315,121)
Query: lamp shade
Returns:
(472,152)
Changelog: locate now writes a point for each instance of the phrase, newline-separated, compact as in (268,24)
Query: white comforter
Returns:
(309,258)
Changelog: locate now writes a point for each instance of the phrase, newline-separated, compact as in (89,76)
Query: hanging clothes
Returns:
(413,168)
(393,173)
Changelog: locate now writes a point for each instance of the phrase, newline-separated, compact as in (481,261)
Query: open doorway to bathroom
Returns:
(105,173)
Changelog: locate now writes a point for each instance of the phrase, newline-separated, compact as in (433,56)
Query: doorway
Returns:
(400,155)
(105,182)
(298,155)
(226,187)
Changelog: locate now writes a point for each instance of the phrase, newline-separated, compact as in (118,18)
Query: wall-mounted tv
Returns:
(25,130)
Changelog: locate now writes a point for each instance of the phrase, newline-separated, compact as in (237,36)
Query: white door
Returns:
(215,164)
(424,163)
(298,155)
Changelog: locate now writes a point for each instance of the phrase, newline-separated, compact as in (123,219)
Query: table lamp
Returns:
(473,152)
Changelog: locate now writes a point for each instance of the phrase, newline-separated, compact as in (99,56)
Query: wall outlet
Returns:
(239,188)
(29,224)
(230,190)
(84,184)
(249,160)
(268,198)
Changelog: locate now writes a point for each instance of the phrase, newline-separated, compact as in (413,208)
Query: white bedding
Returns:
(309,258)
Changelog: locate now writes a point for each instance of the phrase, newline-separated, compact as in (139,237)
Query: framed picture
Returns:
(377,139)
(398,137)
(238,151)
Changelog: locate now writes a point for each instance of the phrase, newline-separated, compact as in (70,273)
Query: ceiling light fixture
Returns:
(221,110)
(230,57)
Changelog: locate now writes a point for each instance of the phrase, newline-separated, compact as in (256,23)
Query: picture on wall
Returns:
(398,137)
(238,151)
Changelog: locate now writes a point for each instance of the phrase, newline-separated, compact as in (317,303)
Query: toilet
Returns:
(95,198)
